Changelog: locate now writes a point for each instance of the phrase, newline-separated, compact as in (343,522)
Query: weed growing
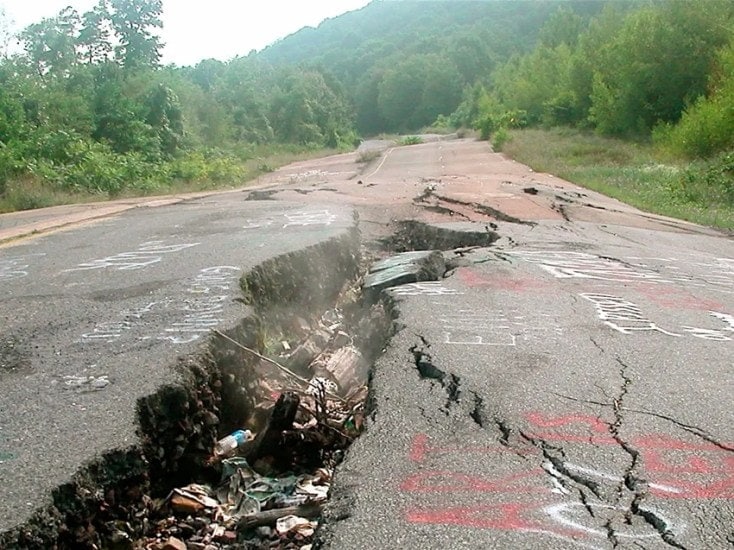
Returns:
(635,173)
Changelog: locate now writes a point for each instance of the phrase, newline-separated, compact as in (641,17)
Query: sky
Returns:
(194,29)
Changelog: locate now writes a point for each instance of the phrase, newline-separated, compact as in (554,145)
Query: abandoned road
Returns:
(94,318)
(569,386)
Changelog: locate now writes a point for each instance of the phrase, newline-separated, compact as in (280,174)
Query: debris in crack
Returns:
(413,235)
(530,190)
(407,267)
(261,195)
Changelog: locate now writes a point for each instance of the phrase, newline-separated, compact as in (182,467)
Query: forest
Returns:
(87,108)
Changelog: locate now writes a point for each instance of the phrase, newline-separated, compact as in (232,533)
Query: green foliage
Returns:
(500,137)
(656,63)
(632,172)
(135,23)
(417,90)
(411,140)
(707,126)
(707,182)
(87,108)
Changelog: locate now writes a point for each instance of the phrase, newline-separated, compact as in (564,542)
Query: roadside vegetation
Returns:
(641,92)
(87,111)
(635,173)
(636,102)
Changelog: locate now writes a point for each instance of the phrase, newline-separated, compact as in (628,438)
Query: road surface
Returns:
(569,387)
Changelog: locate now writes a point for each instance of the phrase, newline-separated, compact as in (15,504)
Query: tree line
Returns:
(87,106)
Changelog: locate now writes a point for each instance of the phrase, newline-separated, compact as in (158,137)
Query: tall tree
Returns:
(5,32)
(94,36)
(135,23)
(51,44)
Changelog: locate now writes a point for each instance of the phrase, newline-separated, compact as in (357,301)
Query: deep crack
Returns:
(450,382)
(477,412)
(505,430)
(560,465)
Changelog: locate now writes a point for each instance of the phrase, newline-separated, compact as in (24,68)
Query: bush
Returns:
(499,139)
(707,182)
(411,140)
(706,128)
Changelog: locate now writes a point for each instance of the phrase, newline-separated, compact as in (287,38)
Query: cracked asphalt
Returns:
(568,387)
(540,399)
(96,316)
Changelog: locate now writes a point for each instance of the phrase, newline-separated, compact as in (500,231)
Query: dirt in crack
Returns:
(295,385)
(293,376)
(412,235)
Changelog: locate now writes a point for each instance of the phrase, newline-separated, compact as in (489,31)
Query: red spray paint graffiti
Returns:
(526,501)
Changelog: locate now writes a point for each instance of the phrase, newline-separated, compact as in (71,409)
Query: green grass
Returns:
(635,173)
(189,174)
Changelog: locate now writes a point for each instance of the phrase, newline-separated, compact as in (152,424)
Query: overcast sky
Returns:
(196,29)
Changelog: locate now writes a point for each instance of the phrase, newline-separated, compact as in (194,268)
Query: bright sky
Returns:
(195,30)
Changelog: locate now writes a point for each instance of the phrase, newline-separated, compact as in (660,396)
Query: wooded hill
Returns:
(88,107)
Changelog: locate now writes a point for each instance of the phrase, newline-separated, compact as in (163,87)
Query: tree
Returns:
(51,44)
(165,117)
(135,23)
(413,93)
(656,64)
(5,32)
(94,37)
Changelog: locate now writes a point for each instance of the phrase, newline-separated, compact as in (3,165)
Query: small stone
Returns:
(200,522)
(228,537)
(173,544)
(210,419)
(264,532)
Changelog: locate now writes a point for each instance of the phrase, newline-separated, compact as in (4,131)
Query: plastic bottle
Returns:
(227,445)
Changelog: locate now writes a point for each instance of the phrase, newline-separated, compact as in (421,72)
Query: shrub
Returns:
(500,137)
(707,182)
(411,140)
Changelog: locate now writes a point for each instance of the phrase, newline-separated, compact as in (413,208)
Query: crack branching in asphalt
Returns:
(450,382)
(429,193)
(632,481)
(557,457)
(689,428)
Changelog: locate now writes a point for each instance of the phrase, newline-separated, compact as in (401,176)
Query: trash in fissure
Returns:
(276,471)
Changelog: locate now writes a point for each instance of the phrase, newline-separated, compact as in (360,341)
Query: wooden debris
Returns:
(270,517)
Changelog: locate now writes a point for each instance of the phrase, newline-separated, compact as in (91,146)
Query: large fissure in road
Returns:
(307,317)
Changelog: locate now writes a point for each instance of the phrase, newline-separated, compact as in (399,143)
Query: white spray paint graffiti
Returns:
(317,217)
(147,254)
(211,288)
(622,315)
(573,514)
(15,268)
(294,219)
(429,288)
(477,329)
(12,269)
(111,331)
(717,335)
(579,265)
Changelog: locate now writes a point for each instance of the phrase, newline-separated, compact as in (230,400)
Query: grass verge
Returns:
(634,173)
(191,172)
